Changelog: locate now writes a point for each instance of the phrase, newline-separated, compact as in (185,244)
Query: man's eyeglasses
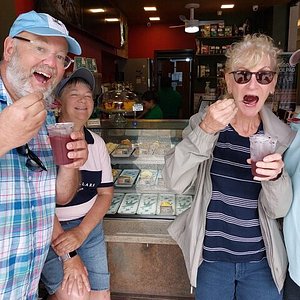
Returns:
(33,163)
(40,51)
(262,77)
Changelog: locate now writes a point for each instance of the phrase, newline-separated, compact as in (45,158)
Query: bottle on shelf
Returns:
(207,88)
(207,70)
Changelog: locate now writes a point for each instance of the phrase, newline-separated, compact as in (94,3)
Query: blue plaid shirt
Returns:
(27,206)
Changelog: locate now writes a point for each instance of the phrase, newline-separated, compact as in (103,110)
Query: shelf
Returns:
(219,37)
(219,54)
(152,159)
(210,77)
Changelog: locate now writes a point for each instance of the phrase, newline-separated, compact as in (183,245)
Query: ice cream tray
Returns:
(127,178)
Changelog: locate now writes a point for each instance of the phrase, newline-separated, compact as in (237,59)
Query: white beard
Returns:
(20,82)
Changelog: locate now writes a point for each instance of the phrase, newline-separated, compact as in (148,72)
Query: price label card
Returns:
(93,122)
(137,107)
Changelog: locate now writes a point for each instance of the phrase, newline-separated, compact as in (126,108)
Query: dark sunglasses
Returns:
(262,77)
(33,163)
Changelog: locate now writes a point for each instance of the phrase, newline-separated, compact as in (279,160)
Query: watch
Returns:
(67,256)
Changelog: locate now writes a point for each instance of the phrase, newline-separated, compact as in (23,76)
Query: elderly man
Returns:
(34,61)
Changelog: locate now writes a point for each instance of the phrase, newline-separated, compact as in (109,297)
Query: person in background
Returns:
(230,237)
(78,226)
(151,108)
(169,100)
(291,223)
(33,63)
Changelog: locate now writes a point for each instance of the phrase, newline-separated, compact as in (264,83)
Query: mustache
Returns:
(19,79)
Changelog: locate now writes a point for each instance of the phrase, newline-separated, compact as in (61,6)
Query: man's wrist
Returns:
(68,256)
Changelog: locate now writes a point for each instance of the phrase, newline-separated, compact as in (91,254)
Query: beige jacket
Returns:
(189,164)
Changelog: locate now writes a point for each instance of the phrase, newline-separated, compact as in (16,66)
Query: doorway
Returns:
(177,65)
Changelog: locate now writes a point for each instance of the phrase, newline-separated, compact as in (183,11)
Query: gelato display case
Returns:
(136,223)
(137,157)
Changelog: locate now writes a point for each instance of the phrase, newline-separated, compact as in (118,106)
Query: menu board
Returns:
(286,89)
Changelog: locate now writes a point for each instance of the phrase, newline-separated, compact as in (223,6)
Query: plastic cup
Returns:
(261,145)
(59,134)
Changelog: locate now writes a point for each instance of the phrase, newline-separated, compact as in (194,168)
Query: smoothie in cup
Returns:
(261,145)
(59,134)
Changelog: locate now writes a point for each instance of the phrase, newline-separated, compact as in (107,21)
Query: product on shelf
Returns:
(115,203)
(141,151)
(183,202)
(166,204)
(115,173)
(147,178)
(166,208)
(122,151)
(111,147)
(127,178)
(129,203)
(147,205)
(228,31)
(118,99)
(221,29)
(126,142)
(214,30)
(205,30)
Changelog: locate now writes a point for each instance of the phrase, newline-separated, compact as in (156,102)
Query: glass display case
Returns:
(118,101)
(137,155)
(142,209)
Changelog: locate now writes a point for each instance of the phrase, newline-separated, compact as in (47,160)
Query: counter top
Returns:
(143,124)
(143,231)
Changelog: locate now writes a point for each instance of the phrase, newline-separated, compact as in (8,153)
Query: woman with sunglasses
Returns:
(76,266)
(230,237)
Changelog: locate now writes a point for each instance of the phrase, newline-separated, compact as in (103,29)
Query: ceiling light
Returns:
(96,10)
(227,6)
(154,18)
(191,26)
(191,29)
(111,19)
(150,8)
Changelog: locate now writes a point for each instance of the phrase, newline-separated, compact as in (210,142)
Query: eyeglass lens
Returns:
(262,77)
(42,52)
(33,163)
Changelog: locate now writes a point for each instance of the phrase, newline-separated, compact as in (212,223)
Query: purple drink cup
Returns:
(261,145)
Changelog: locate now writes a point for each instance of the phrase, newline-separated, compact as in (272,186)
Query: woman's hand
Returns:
(68,241)
(219,115)
(75,276)
(270,167)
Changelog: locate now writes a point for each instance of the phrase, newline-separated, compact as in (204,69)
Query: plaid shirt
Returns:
(27,206)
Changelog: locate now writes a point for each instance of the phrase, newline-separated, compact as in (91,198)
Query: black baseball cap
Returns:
(82,73)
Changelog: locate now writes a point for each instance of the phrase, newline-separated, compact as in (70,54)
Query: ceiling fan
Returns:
(190,25)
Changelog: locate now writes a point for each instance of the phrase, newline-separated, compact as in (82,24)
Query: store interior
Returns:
(135,52)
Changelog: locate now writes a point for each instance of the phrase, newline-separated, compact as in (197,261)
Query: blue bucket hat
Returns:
(45,25)
(82,73)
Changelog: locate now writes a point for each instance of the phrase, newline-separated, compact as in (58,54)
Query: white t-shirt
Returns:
(95,173)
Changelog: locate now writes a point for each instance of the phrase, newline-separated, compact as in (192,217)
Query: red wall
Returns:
(23,6)
(143,40)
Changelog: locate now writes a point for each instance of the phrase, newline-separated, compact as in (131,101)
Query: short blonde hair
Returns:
(249,52)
